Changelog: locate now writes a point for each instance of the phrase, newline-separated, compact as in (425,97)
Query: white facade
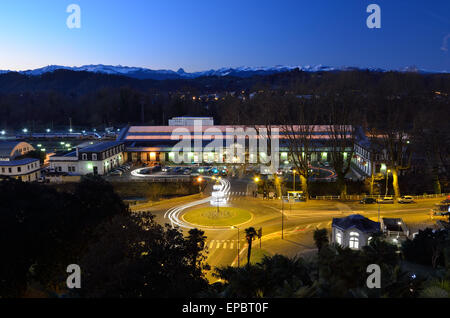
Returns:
(352,238)
(97,159)
(26,170)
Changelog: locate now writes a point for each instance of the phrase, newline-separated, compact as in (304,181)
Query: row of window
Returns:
(19,169)
(109,153)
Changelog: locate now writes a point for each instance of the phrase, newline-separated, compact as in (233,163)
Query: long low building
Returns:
(156,143)
(91,158)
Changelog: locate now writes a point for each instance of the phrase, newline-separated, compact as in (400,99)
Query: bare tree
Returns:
(397,151)
(299,132)
(430,138)
(341,141)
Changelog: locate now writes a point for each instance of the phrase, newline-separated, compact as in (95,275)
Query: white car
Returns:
(386,200)
(116,173)
(405,199)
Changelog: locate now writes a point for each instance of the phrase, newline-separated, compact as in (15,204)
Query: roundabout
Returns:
(213,217)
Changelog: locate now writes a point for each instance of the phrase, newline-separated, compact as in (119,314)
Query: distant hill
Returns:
(145,73)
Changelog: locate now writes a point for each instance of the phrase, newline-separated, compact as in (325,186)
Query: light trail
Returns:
(174,213)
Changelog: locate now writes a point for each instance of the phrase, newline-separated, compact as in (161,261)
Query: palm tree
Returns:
(250,234)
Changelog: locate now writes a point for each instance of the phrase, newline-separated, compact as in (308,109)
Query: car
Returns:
(405,199)
(156,168)
(166,169)
(386,200)
(145,171)
(177,169)
(368,201)
(115,173)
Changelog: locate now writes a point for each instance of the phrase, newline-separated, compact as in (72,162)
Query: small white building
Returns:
(11,166)
(353,231)
(97,159)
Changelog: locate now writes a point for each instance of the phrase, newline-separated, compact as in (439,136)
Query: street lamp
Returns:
(387,178)
(200,180)
(238,247)
(293,173)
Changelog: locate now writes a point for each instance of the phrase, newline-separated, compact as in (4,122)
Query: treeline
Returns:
(43,230)
(96,100)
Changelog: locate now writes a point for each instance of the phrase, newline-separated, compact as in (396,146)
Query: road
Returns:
(300,220)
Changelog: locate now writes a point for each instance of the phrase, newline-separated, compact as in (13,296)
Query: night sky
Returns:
(203,34)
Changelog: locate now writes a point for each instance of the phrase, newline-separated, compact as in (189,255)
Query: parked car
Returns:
(177,169)
(368,201)
(116,173)
(156,168)
(386,200)
(405,199)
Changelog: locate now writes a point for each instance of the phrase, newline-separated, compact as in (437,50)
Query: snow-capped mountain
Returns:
(145,73)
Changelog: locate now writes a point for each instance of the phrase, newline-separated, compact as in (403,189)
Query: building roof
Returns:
(356,221)
(101,146)
(392,224)
(19,162)
(8,148)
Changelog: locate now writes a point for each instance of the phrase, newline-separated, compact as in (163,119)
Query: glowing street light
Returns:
(25,130)
(3,132)
(293,173)
(256,179)
(199,180)
(48,130)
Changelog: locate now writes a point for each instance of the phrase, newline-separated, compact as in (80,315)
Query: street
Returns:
(299,222)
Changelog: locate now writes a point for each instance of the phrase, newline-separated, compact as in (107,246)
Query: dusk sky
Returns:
(203,34)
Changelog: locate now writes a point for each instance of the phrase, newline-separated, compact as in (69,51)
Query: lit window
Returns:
(339,238)
(94,156)
(84,156)
(354,240)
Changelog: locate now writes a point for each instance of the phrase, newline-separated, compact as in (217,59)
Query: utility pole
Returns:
(238,247)
(260,236)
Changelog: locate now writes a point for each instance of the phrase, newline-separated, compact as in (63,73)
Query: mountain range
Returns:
(145,73)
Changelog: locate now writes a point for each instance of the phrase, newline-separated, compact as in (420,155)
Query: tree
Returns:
(49,230)
(428,247)
(321,238)
(300,130)
(196,245)
(341,140)
(136,257)
(250,234)
(431,139)
(395,140)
